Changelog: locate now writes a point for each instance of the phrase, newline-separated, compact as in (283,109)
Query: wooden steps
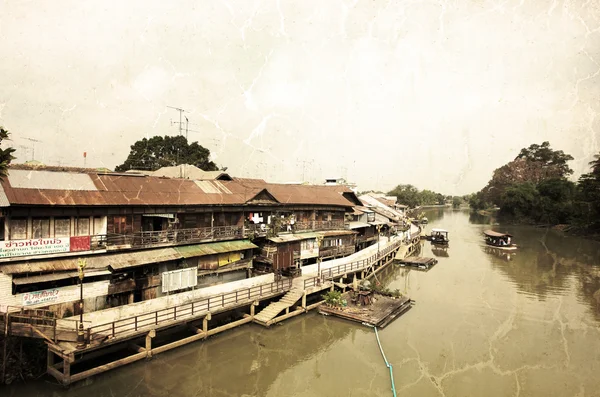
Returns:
(271,311)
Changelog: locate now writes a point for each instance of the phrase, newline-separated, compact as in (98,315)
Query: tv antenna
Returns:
(180,110)
(34,141)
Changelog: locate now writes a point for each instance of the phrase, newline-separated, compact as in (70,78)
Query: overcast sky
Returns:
(436,94)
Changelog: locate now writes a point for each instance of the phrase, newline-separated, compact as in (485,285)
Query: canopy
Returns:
(439,230)
(491,233)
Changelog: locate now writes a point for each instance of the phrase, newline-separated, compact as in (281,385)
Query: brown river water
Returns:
(484,324)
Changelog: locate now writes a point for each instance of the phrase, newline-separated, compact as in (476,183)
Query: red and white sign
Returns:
(39,246)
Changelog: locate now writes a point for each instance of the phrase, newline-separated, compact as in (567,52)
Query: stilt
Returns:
(205,324)
(66,380)
(149,337)
(304,301)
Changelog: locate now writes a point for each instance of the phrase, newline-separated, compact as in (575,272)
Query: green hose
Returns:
(384,359)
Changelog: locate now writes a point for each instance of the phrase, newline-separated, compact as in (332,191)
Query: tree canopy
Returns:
(157,152)
(413,197)
(5,154)
(547,157)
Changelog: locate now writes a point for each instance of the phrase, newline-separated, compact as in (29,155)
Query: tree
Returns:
(518,171)
(5,154)
(547,157)
(519,200)
(407,194)
(157,152)
(456,202)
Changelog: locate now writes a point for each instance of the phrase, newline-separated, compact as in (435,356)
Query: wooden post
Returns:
(205,324)
(66,380)
(304,301)
(252,308)
(149,337)
(50,359)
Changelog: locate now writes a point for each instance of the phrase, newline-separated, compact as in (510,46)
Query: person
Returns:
(508,241)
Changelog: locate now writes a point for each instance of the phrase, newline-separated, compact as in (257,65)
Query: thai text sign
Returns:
(39,297)
(34,247)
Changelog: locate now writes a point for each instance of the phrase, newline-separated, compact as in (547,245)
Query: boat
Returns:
(439,237)
(498,240)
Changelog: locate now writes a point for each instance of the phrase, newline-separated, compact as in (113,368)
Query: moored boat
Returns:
(439,237)
(499,240)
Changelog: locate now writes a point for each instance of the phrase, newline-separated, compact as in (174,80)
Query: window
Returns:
(62,227)
(120,223)
(82,226)
(18,228)
(98,225)
(40,228)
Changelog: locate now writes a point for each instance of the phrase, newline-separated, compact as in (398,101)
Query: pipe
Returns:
(384,358)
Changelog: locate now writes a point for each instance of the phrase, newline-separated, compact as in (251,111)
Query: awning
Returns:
(170,216)
(330,233)
(357,225)
(139,258)
(188,251)
(56,276)
(285,238)
(375,223)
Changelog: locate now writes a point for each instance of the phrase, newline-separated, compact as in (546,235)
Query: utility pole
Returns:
(186,127)
(180,110)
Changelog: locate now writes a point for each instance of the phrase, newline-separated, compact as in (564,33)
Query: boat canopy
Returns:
(439,230)
(491,233)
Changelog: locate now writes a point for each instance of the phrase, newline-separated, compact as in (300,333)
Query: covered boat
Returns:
(499,240)
(439,236)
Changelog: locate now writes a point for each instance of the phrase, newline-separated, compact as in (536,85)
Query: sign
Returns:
(80,243)
(34,247)
(39,297)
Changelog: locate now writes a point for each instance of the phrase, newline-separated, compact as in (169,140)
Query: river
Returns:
(483,325)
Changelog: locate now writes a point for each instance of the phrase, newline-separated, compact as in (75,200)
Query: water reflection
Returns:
(440,251)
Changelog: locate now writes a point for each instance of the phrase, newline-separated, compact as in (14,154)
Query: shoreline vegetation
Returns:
(534,189)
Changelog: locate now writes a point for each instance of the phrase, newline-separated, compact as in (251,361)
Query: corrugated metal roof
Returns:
(56,276)
(3,199)
(284,238)
(97,262)
(136,190)
(330,233)
(30,179)
(188,251)
(357,225)
(492,233)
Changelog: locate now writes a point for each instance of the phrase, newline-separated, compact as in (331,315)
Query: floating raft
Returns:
(418,262)
(382,311)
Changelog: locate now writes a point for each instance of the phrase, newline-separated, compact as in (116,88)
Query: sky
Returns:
(436,94)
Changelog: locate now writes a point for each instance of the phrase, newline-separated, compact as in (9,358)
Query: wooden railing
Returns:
(189,310)
(334,251)
(328,274)
(318,225)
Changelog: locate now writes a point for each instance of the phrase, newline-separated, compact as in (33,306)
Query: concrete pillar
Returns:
(149,337)
(355,283)
(252,308)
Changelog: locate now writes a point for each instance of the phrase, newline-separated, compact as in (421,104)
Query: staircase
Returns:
(271,311)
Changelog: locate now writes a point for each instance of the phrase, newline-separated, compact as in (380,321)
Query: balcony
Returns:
(318,225)
(326,252)
(166,237)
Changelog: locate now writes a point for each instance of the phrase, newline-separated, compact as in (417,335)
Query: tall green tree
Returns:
(547,157)
(156,152)
(407,194)
(5,154)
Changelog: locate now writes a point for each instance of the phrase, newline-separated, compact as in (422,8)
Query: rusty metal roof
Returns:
(30,179)
(330,233)
(72,189)
(3,199)
(286,238)
(56,276)
(188,251)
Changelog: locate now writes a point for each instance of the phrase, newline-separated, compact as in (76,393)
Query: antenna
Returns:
(32,146)
(180,110)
